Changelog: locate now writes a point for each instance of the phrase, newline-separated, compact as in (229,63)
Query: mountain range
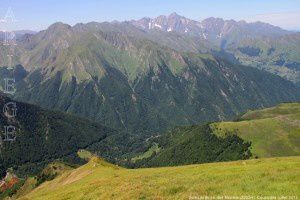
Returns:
(151,93)
(255,44)
(210,28)
(146,79)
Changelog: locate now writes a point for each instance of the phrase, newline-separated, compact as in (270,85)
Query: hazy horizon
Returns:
(38,16)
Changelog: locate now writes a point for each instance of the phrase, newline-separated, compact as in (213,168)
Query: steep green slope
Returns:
(112,74)
(43,136)
(272,131)
(258,44)
(269,132)
(276,55)
(99,180)
(195,144)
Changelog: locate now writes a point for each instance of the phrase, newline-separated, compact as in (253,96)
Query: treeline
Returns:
(195,144)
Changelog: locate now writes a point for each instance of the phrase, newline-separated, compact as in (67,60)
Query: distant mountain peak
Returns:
(58,28)
(209,28)
(172,22)
(59,25)
(214,19)
(175,15)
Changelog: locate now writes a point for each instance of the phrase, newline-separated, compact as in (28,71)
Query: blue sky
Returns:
(39,14)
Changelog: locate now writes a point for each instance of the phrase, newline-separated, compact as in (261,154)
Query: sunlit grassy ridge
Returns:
(273,131)
(101,180)
(290,109)
(49,173)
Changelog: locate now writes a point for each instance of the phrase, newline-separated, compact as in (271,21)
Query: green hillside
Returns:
(101,180)
(190,145)
(273,131)
(270,132)
(114,74)
(276,55)
(43,136)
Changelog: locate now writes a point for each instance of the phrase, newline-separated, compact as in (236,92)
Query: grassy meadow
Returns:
(101,180)
(275,137)
(273,131)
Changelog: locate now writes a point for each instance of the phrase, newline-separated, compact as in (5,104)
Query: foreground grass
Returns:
(100,180)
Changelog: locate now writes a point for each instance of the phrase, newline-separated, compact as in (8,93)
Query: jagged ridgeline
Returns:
(43,136)
(115,75)
(257,44)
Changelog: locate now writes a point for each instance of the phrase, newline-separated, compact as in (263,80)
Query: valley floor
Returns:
(257,178)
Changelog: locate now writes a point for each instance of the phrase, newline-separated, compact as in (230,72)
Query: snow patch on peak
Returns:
(150,25)
(219,36)
(157,25)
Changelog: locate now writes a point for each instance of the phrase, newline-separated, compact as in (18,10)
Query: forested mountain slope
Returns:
(43,136)
(114,74)
(269,132)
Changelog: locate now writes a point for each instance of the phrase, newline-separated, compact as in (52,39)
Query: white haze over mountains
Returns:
(285,20)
